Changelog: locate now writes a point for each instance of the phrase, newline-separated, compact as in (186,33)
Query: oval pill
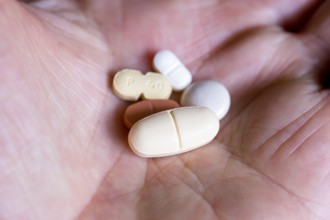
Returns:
(168,64)
(207,93)
(129,84)
(173,132)
(140,110)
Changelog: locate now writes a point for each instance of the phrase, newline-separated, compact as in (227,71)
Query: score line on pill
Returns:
(173,132)
(168,64)
(143,109)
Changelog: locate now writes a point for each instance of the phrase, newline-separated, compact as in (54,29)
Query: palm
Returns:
(64,146)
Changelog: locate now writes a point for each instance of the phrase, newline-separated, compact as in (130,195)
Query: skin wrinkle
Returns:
(14,122)
(326,176)
(160,170)
(304,140)
(148,180)
(223,211)
(320,65)
(264,144)
(311,117)
(26,191)
(144,190)
(105,180)
(206,35)
(249,166)
(250,101)
(94,195)
(199,194)
(196,192)
(239,124)
(222,47)
(295,132)
(323,50)
(203,39)
(195,177)
(97,125)
(205,57)
(157,174)
(60,61)
(119,23)
(247,107)
(299,199)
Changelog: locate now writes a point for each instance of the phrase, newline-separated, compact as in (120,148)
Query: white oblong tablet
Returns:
(207,93)
(168,64)
(173,132)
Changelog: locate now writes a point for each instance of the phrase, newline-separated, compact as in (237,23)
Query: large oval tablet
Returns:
(140,110)
(173,132)
(207,93)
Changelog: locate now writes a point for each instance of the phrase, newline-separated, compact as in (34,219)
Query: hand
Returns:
(63,146)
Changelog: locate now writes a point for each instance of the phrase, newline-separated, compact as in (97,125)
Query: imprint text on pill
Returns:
(129,84)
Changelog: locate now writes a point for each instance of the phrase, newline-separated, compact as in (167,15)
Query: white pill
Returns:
(208,93)
(173,132)
(172,68)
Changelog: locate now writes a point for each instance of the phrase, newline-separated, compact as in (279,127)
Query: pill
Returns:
(140,110)
(173,132)
(129,84)
(207,93)
(168,64)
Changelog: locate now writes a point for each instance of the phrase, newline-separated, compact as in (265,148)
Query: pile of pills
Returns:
(160,127)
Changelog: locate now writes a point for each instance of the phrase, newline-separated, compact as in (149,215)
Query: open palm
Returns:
(63,146)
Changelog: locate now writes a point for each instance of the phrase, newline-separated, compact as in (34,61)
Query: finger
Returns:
(51,5)
(319,25)
(292,13)
(191,29)
(253,61)
(317,35)
(68,10)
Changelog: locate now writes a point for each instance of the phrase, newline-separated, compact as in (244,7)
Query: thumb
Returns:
(319,25)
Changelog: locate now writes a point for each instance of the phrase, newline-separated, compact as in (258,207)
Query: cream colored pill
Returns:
(143,109)
(129,84)
(168,64)
(173,132)
(207,93)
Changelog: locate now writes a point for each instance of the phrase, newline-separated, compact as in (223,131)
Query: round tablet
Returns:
(207,93)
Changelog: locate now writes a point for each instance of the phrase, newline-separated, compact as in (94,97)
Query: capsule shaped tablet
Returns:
(207,93)
(172,68)
(140,110)
(129,84)
(173,132)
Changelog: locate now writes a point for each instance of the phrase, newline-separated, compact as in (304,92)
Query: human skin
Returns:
(63,146)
